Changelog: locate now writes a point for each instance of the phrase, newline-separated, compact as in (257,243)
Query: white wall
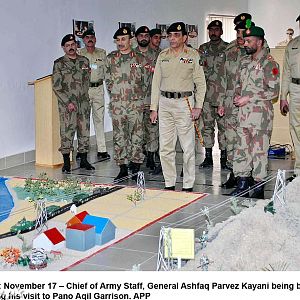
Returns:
(275,16)
(31,31)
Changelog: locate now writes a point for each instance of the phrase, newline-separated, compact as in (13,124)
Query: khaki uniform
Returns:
(70,83)
(233,55)
(258,79)
(151,133)
(125,81)
(212,58)
(96,93)
(291,85)
(181,73)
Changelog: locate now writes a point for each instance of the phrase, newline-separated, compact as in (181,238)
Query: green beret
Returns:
(154,31)
(298,19)
(177,27)
(142,29)
(254,31)
(242,17)
(242,25)
(215,23)
(67,38)
(88,32)
(123,31)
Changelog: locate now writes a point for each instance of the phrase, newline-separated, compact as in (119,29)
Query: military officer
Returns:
(234,52)
(212,58)
(155,39)
(257,85)
(142,35)
(97,58)
(177,73)
(125,81)
(70,83)
(291,86)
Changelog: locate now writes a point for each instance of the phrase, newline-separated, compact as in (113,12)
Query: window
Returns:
(229,33)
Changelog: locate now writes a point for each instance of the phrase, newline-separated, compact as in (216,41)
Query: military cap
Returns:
(254,31)
(123,31)
(67,38)
(177,27)
(242,25)
(215,23)
(298,19)
(241,17)
(142,29)
(154,31)
(88,32)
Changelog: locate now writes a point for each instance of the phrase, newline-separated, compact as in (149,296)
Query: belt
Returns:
(176,95)
(296,80)
(96,84)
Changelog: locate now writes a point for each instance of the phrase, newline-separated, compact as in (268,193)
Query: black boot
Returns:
(157,170)
(84,162)
(258,191)
(135,169)
(78,156)
(208,161)
(123,172)
(223,159)
(67,164)
(243,185)
(150,161)
(230,183)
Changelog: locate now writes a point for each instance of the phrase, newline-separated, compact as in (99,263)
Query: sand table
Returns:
(254,240)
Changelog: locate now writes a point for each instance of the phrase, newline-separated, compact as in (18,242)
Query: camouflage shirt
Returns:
(212,59)
(70,79)
(151,57)
(259,79)
(126,76)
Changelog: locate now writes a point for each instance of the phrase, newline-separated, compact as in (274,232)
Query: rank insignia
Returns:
(185,60)
(275,71)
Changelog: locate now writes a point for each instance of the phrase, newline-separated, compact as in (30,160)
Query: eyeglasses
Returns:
(289,33)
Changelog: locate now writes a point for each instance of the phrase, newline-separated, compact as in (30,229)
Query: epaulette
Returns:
(114,53)
(270,57)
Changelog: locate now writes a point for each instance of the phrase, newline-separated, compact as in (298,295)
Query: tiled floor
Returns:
(142,247)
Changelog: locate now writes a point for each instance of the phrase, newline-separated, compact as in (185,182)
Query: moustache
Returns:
(71,50)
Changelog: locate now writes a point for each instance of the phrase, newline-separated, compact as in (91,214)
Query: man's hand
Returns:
(153,116)
(71,107)
(221,111)
(196,112)
(284,107)
(241,101)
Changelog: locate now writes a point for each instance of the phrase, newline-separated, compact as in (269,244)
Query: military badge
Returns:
(178,27)
(275,71)
(185,60)
(243,18)
(135,65)
(124,31)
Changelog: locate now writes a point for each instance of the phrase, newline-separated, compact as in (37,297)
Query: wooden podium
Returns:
(281,132)
(47,136)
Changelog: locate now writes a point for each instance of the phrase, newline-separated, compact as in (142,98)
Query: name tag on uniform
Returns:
(99,59)
(258,67)
(85,68)
(185,60)
(294,48)
(135,65)
(165,60)
(94,66)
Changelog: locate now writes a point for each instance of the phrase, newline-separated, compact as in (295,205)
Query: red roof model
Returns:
(54,235)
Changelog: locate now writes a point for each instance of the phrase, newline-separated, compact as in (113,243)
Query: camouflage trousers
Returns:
(209,118)
(96,95)
(294,114)
(151,132)
(231,124)
(127,121)
(77,121)
(251,153)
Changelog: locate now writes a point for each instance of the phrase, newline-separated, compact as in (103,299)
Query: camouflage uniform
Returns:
(151,133)
(212,58)
(125,81)
(259,79)
(233,55)
(291,85)
(96,93)
(70,82)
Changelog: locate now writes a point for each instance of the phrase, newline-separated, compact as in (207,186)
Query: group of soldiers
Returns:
(158,96)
